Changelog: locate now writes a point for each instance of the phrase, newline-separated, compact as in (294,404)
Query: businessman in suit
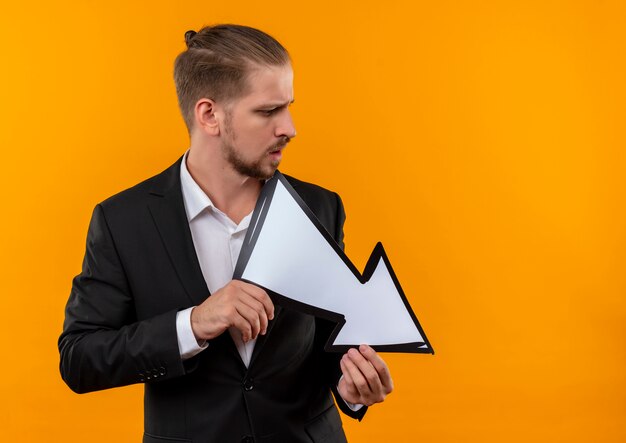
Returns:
(155,302)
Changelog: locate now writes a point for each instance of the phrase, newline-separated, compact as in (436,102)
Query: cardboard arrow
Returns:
(290,254)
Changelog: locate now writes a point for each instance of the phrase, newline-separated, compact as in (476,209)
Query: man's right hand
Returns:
(242,305)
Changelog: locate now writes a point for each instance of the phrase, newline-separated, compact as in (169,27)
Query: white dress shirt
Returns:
(217,240)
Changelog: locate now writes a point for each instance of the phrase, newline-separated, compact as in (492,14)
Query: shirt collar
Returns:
(194,197)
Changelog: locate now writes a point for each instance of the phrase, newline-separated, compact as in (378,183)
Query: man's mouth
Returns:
(276,151)
(278,148)
(276,154)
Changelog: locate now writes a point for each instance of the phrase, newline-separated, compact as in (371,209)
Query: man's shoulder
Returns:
(323,202)
(309,189)
(158,184)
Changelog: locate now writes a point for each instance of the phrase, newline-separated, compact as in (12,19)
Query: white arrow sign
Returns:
(290,254)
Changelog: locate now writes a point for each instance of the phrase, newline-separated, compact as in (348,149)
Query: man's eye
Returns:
(269,112)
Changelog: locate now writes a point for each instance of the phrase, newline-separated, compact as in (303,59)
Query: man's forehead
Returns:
(271,84)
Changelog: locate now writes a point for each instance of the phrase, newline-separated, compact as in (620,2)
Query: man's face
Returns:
(258,125)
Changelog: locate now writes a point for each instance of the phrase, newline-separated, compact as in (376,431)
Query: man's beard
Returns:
(253,168)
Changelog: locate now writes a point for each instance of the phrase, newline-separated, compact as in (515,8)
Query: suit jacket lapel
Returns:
(168,211)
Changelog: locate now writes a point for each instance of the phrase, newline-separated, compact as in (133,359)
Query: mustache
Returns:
(280,144)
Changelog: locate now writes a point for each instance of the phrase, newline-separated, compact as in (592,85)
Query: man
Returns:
(231,366)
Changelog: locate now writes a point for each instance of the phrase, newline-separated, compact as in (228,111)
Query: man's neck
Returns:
(232,193)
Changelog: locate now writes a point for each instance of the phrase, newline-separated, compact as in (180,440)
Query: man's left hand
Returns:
(366,379)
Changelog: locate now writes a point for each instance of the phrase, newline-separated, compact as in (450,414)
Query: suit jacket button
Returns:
(248,385)
(162,371)
(247,439)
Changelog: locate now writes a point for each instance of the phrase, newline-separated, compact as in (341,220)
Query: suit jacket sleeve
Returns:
(102,344)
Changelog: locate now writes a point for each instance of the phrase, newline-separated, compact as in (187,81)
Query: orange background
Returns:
(481,142)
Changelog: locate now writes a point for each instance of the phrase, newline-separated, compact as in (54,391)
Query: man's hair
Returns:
(217,62)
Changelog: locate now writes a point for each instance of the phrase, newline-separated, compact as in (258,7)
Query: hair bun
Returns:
(188,37)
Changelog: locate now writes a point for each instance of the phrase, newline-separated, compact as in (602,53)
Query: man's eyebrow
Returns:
(276,105)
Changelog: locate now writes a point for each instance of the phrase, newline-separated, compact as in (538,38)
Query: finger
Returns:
(258,307)
(346,373)
(243,326)
(358,380)
(261,296)
(379,364)
(351,390)
(369,372)
(251,316)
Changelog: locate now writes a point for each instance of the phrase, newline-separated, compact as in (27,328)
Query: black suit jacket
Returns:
(140,269)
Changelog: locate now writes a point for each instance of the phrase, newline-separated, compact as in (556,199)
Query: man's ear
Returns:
(206,120)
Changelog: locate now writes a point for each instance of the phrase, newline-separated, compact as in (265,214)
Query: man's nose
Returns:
(285,126)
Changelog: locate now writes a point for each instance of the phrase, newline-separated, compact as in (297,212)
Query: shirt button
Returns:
(248,384)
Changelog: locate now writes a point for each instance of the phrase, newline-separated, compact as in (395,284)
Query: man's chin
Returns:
(263,173)
(269,173)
